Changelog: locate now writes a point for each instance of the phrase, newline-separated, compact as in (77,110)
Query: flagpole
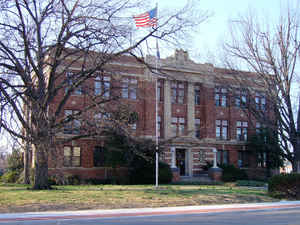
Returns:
(149,19)
(156,115)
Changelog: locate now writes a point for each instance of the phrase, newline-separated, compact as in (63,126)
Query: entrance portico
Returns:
(189,161)
(181,160)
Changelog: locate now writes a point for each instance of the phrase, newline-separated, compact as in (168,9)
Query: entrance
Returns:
(182,161)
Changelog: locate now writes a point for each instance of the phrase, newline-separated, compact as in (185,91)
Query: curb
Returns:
(89,214)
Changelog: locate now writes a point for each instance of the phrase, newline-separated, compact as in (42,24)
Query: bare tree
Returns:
(271,53)
(41,40)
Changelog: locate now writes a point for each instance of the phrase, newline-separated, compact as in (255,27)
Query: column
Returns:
(173,159)
(167,109)
(215,157)
(175,170)
(191,163)
(191,109)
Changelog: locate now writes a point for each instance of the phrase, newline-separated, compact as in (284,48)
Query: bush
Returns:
(66,179)
(143,172)
(285,186)
(15,167)
(52,181)
(71,180)
(10,177)
(1,172)
(15,160)
(232,173)
(165,173)
(207,166)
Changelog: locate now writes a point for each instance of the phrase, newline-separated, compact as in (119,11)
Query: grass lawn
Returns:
(16,198)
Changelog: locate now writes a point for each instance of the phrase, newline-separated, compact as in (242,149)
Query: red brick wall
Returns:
(145,106)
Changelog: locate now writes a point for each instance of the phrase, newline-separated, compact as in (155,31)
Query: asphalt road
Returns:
(287,216)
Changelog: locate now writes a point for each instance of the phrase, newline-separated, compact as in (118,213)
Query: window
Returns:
(258,127)
(243,160)
(72,127)
(160,90)
(102,119)
(197,128)
(262,159)
(71,156)
(98,117)
(102,86)
(99,156)
(197,94)
(102,116)
(177,92)
(133,126)
(71,78)
(178,126)
(221,129)
(129,88)
(260,101)
(159,127)
(222,157)
(220,96)
(241,130)
(241,98)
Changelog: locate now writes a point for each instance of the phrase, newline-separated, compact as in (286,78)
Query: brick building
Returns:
(199,109)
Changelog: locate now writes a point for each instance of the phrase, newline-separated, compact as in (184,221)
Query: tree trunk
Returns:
(296,164)
(41,167)
(297,145)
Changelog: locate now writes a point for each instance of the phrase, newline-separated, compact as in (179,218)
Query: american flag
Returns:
(147,19)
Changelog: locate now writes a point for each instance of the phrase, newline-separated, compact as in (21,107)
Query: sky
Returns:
(212,32)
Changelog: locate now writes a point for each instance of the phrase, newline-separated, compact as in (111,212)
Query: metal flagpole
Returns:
(149,19)
(156,115)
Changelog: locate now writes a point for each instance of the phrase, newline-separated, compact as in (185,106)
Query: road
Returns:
(279,216)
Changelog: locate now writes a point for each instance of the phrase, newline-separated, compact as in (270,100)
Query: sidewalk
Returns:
(145,211)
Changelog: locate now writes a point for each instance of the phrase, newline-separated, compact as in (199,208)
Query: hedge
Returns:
(285,186)
(232,173)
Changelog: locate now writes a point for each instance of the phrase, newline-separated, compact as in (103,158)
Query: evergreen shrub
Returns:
(232,173)
(285,186)
(143,172)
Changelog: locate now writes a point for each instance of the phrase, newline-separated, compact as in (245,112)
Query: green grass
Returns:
(17,198)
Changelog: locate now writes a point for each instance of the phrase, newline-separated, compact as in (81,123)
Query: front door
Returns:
(181,161)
